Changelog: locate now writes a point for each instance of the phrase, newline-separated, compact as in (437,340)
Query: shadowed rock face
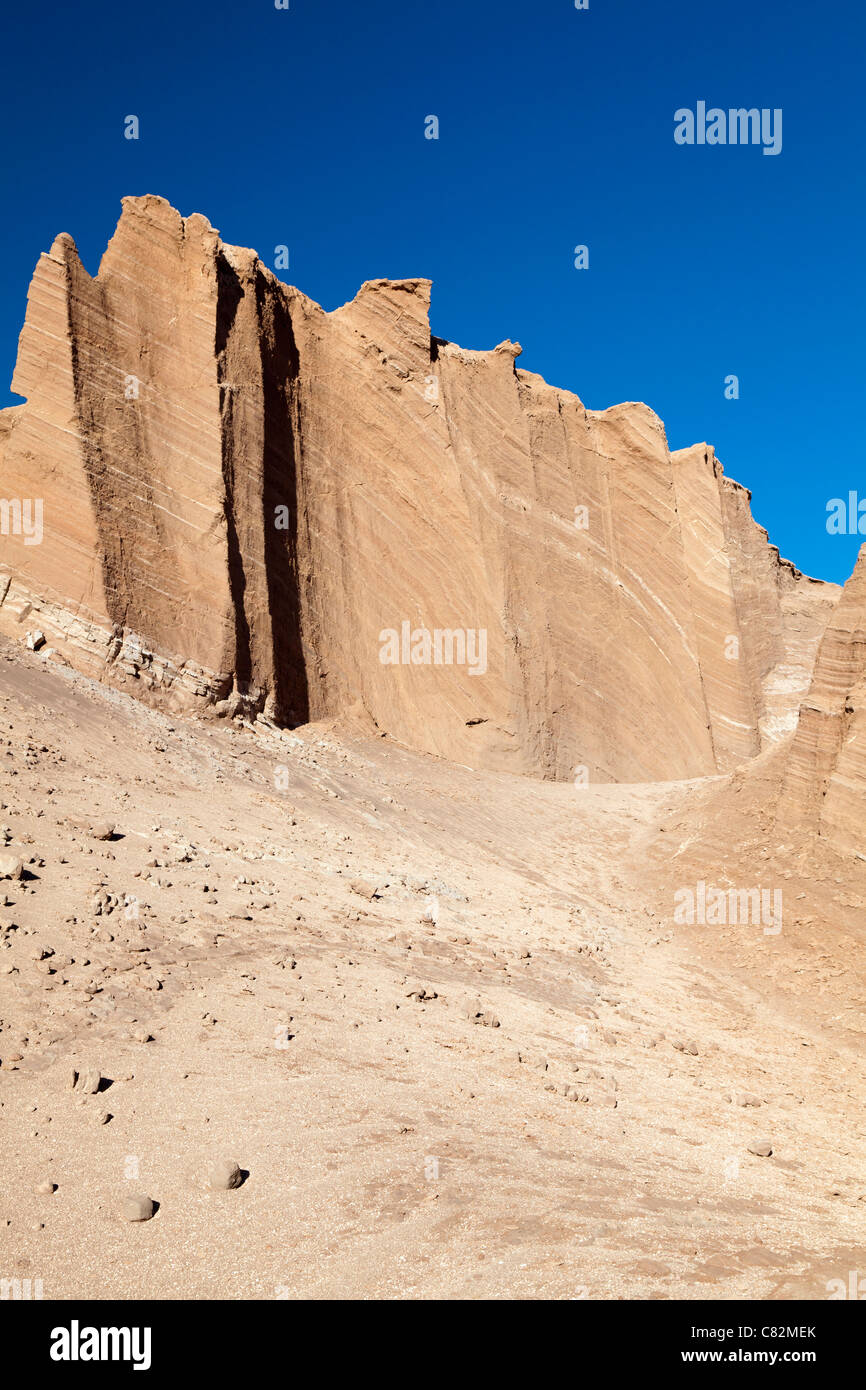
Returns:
(243,494)
(826,767)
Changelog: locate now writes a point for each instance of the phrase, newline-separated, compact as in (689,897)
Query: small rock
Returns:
(652,1267)
(762,1148)
(10,866)
(420,993)
(35,640)
(224,1175)
(532,1059)
(102,830)
(88,1081)
(136,1208)
(364,890)
(45,1188)
(475,1012)
(745,1098)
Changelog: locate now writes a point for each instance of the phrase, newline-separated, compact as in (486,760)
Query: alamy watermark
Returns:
(77,1343)
(854,1288)
(706,906)
(22,516)
(847,517)
(20,1290)
(440,647)
(737,126)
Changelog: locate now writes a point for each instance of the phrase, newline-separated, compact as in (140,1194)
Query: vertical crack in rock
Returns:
(230,295)
(258,371)
(282,458)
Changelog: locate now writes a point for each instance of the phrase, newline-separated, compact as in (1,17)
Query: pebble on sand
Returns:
(474,1010)
(87,1081)
(137,1207)
(224,1175)
(10,866)
(745,1098)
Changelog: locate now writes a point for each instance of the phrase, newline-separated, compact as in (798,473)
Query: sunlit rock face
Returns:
(252,503)
(825,785)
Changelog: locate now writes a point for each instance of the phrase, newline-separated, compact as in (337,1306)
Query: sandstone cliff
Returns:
(826,764)
(245,495)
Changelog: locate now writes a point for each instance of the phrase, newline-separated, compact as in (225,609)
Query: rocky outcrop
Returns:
(758,619)
(251,501)
(825,781)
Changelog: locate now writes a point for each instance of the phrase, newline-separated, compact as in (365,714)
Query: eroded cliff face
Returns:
(250,501)
(825,780)
(750,605)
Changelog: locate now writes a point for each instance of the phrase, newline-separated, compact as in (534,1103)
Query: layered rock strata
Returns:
(825,779)
(251,502)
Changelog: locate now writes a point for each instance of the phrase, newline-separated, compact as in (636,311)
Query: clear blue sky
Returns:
(306,127)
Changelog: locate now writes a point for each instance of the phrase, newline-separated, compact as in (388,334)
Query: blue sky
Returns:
(306,128)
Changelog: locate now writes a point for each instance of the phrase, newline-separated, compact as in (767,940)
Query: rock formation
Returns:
(250,502)
(826,764)
(382,1025)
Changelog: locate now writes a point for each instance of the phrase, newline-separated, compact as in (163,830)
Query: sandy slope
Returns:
(396,1146)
